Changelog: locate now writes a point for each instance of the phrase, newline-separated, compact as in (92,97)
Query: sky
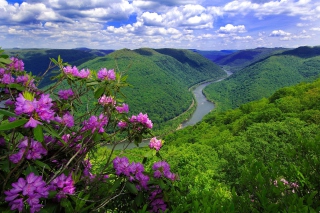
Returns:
(187,24)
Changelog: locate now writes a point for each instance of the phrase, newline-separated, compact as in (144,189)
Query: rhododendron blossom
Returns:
(105,74)
(123,109)
(155,144)
(28,191)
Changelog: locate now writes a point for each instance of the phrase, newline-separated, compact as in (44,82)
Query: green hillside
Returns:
(243,58)
(38,60)
(160,79)
(240,160)
(262,78)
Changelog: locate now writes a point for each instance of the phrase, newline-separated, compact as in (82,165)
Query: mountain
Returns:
(264,77)
(160,79)
(215,55)
(237,60)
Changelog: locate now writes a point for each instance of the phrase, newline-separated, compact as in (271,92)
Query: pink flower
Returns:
(155,144)
(123,109)
(105,74)
(104,100)
(32,123)
(84,73)
(122,124)
(65,94)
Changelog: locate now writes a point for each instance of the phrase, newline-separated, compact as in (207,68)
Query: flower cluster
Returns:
(123,109)
(106,100)
(293,186)
(156,201)
(64,185)
(105,74)
(133,171)
(162,169)
(142,119)
(50,149)
(65,94)
(155,144)
(29,191)
(73,71)
(34,108)
(95,123)
(35,151)
(67,119)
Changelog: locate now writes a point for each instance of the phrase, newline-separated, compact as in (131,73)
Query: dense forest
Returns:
(262,78)
(260,157)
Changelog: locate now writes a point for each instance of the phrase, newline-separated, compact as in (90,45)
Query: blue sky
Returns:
(196,24)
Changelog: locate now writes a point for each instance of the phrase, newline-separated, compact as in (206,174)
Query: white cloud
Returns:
(245,38)
(229,28)
(279,33)
(315,28)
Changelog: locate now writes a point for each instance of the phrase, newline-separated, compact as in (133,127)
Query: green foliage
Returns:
(264,77)
(239,160)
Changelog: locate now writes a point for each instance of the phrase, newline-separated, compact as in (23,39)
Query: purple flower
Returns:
(2,141)
(157,205)
(155,144)
(65,94)
(28,190)
(32,123)
(104,100)
(95,123)
(7,79)
(84,73)
(120,164)
(122,124)
(142,119)
(25,81)
(105,74)
(67,119)
(16,64)
(35,151)
(64,185)
(71,71)
(162,169)
(123,109)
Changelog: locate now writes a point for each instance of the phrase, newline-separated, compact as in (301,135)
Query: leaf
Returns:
(38,133)
(99,92)
(42,165)
(30,169)
(139,199)
(8,113)
(115,185)
(14,124)
(132,188)
(17,86)
(67,205)
(51,132)
(92,83)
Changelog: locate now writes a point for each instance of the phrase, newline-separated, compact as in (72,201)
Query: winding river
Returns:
(203,107)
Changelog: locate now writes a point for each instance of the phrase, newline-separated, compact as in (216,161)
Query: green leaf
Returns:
(99,92)
(139,199)
(38,133)
(115,185)
(51,132)
(92,83)
(131,187)
(14,124)
(8,113)
(31,169)
(67,205)
(42,165)
(17,86)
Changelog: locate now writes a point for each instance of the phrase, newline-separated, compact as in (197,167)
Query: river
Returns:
(203,107)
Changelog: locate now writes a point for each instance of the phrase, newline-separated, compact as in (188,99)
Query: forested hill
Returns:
(160,78)
(264,77)
(242,58)
(261,157)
